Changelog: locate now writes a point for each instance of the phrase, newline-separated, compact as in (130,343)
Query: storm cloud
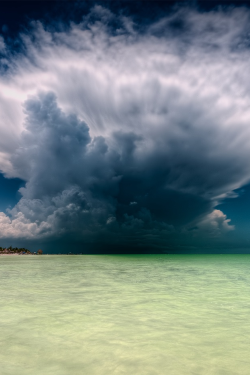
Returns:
(126,134)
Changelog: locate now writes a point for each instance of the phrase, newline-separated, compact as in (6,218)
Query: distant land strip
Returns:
(18,251)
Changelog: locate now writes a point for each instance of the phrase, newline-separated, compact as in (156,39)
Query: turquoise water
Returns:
(103,315)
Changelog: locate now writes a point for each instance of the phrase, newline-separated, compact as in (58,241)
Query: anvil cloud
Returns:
(136,132)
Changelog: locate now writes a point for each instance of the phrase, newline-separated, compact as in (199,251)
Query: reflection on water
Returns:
(103,315)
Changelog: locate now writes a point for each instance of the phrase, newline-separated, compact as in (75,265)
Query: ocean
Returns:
(145,315)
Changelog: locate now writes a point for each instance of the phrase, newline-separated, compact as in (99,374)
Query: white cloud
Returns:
(20,227)
(215,224)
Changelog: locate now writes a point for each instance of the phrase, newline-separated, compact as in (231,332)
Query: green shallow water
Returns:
(103,315)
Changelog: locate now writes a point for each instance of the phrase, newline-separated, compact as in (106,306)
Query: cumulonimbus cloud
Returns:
(94,118)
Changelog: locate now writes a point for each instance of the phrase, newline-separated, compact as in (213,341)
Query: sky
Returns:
(125,126)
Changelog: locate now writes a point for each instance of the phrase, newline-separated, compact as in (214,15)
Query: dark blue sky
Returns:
(16,14)
(125,125)
(9,195)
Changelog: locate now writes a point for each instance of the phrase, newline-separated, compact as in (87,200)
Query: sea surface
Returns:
(145,315)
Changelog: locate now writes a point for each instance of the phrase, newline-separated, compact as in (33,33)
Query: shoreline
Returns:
(4,255)
(34,255)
